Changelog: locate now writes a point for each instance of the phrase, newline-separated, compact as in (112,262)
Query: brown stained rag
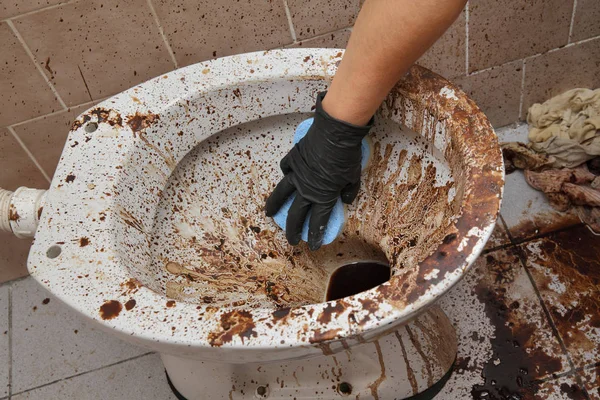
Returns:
(567,127)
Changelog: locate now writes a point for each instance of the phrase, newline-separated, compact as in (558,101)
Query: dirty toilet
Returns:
(153,227)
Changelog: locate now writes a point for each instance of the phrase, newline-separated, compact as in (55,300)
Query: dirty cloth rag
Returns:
(567,127)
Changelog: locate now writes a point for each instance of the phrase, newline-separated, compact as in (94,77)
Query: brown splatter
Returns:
(170,303)
(131,286)
(374,387)
(84,241)
(237,93)
(139,122)
(337,307)
(45,301)
(39,212)
(573,257)
(13,215)
(322,336)
(236,322)
(70,178)
(130,304)
(572,392)
(515,365)
(110,309)
(281,313)
(47,67)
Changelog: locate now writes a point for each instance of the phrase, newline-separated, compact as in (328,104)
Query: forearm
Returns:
(388,37)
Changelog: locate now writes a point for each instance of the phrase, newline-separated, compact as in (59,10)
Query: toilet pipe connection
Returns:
(20,211)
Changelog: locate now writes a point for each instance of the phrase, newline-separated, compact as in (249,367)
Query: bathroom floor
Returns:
(527,317)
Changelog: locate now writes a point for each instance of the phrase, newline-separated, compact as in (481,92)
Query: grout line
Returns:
(31,156)
(84,373)
(319,36)
(87,103)
(572,21)
(288,14)
(467,38)
(39,68)
(522,91)
(523,259)
(25,14)
(535,55)
(162,33)
(10,352)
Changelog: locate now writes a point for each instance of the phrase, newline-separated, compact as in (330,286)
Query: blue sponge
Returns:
(338,215)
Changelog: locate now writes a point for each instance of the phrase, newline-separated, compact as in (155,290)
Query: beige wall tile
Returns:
(506,30)
(314,17)
(334,40)
(13,257)
(116,44)
(23,92)
(447,56)
(556,72)
(45,137)
(11,8)
(16,168)
(496,91)
(201,30)
(587,20)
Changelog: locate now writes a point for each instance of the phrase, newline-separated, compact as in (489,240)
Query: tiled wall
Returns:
(60,57)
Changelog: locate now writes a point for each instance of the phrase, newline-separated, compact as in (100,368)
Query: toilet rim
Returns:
(80,213)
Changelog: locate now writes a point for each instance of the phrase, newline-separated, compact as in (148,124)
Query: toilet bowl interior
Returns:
(212,243)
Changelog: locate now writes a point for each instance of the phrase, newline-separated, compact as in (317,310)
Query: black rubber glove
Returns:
(321,167)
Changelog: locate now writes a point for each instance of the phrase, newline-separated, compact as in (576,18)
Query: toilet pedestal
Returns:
(398,365)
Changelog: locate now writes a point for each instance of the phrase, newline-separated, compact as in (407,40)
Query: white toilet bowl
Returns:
(174,253)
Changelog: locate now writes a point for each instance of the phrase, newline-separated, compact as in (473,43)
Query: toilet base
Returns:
(412,362)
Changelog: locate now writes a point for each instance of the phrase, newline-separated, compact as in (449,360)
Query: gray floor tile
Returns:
(526,211)
(51,342)
(503,335)
(139,379)
(566,269)
(4,359)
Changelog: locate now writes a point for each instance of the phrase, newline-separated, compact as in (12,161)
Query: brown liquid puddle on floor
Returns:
(357,277)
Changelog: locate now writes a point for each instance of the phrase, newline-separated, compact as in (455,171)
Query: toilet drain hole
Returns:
(91,127)
(53,251)
(344,388)
(262,392)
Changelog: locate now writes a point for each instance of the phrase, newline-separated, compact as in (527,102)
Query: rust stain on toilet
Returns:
(233,323)
(111,309)
(139,122)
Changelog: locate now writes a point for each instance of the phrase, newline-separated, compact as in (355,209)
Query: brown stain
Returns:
(232,323)
(45,301)
(573,257)
(171,304)
(129,219)
(516,363)
(542,223)
(39,212)
(70,178)
(47,67)
(130,304)
(131,286)
(374,387)
(417,345)
(140,122)
(111,309)
(572,392)
(103,115)
(84,241)
(337,307)
(13,215)
(409,371)
(323,336)
(280,313)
